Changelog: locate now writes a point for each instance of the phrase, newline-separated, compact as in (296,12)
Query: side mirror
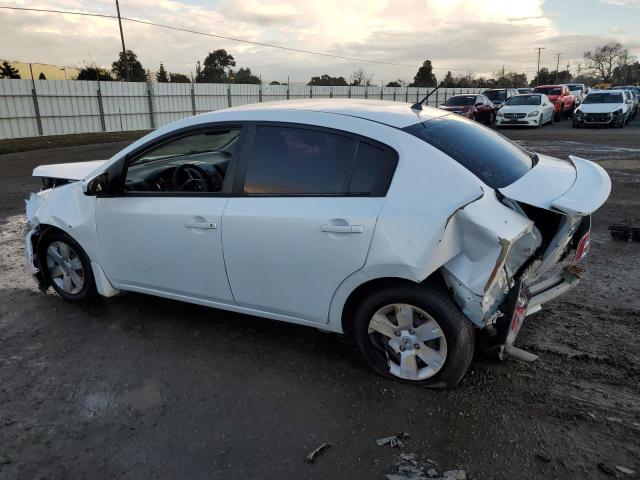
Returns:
(97,185)
(479,104)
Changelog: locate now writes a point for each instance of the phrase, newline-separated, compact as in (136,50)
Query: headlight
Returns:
(617,112)
(499,114)
(533,114)
(579,113)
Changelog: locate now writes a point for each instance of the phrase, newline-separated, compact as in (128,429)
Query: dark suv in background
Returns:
(499,96)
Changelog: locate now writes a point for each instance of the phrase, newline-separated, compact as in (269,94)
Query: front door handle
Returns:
(202,225)
(341,228)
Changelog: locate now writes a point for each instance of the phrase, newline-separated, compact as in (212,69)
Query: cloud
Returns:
(455,34)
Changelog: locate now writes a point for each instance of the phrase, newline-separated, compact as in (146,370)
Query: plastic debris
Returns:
(313,455)
(625,470)
(394,441)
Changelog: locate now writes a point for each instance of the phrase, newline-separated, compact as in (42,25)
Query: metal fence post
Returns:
(36,107)
(101,109)
(152,110)
(331,91)
(288,93)
(229,96)
(311,92)
(394,93)
(260,93)
(366,92)
(349,92)
(381,92)
(193,99)
(438,97)
(406,94)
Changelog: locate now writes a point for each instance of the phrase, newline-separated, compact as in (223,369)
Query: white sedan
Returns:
(410,229)
(528,110)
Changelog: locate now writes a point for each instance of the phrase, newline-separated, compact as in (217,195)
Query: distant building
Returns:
(52,72)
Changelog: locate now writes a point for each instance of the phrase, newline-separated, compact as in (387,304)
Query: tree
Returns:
(396,83)
(326,80)
(217,67)
(275,83)
(627,74)
(604,60)
(244,75)
(89,72)
(360,78)
(128,68)
(7,71)
(424,77)
(178,78)
(541,78)
(162,76)
(448,81)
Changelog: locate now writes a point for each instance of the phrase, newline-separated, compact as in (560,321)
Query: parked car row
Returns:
(546,104)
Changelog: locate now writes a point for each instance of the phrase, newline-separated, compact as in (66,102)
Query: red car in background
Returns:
(563,100)
(473,106)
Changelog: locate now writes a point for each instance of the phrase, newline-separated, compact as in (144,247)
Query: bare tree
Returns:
(361,78)
(603,60)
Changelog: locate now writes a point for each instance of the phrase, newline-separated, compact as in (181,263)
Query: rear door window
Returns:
(488,155)
(291,160)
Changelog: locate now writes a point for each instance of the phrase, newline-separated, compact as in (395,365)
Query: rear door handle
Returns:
(203,225)
(341,228)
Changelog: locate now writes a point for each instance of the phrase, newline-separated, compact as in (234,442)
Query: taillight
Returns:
(583,246)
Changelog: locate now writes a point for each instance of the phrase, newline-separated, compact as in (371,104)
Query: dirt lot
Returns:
(141,387)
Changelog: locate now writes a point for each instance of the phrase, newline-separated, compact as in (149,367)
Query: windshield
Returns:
(488,155)
(524,90)
(525,100)
(603,97)
(496,94)
(460,100)
(548,90)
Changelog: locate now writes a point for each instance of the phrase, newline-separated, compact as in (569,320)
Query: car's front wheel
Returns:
(66,267)
(416,334)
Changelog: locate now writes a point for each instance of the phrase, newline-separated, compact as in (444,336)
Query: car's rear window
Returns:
(488,155)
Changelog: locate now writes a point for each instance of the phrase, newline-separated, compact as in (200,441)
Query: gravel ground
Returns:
(137,386)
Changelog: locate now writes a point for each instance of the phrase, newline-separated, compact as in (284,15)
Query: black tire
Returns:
(437,303)
(575,123)
(88,289)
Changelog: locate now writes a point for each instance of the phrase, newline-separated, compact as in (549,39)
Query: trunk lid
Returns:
(68,171)
(574,187)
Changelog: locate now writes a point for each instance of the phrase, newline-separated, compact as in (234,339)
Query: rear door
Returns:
(303,217)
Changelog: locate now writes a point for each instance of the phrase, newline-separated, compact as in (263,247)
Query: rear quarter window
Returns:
(488,155)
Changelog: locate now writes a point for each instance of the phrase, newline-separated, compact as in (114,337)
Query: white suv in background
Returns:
(578,90)
(603,108)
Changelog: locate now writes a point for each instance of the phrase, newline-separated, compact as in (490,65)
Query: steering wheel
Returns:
(190,178)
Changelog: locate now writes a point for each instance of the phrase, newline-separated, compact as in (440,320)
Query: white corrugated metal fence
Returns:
(59,107)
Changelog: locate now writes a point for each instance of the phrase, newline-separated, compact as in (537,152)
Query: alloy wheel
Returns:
(413,341)
(65,267)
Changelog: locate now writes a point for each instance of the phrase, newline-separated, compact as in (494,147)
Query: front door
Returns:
(304,219)
(162,234)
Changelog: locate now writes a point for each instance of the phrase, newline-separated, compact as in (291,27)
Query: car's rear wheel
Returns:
(415,334)
(66,267)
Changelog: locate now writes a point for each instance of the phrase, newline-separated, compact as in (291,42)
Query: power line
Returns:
(233,39)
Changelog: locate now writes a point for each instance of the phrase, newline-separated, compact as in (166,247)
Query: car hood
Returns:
(600,107)
(68,171)
(520,108)
(574,187)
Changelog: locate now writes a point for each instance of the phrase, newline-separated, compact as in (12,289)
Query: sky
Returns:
(464,36)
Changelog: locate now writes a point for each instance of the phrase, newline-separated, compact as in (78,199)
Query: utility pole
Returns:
(124,50)
(538,74)
(557,66)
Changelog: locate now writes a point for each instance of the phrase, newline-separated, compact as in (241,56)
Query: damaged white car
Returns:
(416,231)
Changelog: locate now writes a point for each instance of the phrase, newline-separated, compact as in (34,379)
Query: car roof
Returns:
(551,86)
(394,114)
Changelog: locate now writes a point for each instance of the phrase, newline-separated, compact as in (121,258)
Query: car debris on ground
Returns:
(394,441)
(407,468)
(313,455)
